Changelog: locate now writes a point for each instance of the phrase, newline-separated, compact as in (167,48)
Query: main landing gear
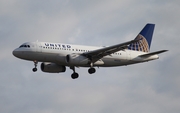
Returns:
(91,70)
(35,68)
(75,75)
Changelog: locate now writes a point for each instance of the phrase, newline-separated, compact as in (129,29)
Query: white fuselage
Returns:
(56,53)
(55,57)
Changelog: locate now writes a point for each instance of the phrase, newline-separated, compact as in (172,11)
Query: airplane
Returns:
(55,57)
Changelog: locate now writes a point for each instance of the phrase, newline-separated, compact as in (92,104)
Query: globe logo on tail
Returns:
(141,45)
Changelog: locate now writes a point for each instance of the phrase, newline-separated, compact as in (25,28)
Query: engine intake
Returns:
(52,68)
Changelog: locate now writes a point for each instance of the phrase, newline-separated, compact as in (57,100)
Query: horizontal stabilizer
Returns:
(152,53)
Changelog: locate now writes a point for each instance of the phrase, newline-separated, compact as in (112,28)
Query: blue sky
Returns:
(143,88)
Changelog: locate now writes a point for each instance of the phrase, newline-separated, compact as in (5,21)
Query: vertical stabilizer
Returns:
(145,35)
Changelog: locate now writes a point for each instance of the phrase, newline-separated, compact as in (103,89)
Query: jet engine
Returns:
(76,59)
(52,68)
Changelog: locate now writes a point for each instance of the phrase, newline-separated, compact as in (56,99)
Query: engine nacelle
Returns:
(52,68)
(77,60)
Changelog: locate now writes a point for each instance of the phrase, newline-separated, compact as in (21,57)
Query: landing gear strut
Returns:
(35,68)
(91,70)
(74,74)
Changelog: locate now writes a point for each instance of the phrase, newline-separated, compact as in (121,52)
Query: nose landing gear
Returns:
(35,64)
(34,69)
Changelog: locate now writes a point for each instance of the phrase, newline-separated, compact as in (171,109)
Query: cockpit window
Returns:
(26,46)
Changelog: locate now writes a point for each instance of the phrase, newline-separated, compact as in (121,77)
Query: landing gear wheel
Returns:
(34,69)
(91,70)
(74,75)
(35,64)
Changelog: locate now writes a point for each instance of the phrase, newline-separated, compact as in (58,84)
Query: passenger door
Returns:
(38,47)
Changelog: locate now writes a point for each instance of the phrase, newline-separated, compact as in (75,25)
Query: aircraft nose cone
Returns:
(16,53)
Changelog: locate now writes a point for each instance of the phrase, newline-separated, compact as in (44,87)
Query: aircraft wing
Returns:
(99,53)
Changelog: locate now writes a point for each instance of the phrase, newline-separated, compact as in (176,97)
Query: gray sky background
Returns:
(152,87)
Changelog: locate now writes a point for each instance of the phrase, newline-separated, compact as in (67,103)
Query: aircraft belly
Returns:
(113,62)
(50,57)
(39,56)
(28,55)
(61,59)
